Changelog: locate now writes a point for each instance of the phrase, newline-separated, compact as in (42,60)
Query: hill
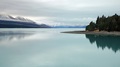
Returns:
(7,21)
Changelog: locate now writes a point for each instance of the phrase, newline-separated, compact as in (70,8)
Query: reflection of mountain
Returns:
(11,35)
(111,42)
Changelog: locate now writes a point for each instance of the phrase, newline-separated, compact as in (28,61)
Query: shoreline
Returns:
(93,32)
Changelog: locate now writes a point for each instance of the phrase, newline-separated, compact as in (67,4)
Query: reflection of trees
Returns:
(10,35)
(111,42)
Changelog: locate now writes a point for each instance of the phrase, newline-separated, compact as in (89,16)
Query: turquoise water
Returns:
(50,48)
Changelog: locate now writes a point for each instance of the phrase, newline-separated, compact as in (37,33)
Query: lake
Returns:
(50,48)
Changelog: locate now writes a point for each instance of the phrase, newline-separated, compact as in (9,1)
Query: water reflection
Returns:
(103,41)
(12,35)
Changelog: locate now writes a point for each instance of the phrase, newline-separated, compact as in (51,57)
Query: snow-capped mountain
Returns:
(11,18)
(23,19)
(7,21)
(69,26)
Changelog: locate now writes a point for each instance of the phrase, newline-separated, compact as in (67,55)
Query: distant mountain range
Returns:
(7,21)
(69,26)
(11,18)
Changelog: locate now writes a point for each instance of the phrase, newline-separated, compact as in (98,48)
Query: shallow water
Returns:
(50,48)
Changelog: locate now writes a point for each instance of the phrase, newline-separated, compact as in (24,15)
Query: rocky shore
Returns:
(94,32)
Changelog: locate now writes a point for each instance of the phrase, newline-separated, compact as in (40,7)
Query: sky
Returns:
(60,12)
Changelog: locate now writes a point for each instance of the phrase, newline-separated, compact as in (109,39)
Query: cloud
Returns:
(60,9)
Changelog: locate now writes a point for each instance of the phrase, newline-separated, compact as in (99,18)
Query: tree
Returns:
(91,26)
(110,23)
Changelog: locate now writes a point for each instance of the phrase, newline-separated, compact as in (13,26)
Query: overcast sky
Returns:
(60,11)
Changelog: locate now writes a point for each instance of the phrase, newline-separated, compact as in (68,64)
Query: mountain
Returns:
(11,18)
(7,21)
(69,26)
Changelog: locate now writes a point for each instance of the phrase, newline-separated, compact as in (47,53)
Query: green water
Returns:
(50,48)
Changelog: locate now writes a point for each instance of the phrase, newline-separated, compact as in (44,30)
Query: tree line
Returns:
(110,23)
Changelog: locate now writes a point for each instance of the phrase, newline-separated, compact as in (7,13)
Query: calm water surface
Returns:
(50,48)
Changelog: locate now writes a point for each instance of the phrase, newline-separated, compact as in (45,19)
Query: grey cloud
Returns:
(40,9)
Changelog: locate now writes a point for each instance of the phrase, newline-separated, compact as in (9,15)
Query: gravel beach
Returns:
(93,32)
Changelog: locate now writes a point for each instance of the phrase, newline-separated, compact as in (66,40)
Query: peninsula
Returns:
(103,26)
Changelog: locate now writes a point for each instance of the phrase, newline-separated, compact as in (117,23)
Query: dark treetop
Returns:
(110,23)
